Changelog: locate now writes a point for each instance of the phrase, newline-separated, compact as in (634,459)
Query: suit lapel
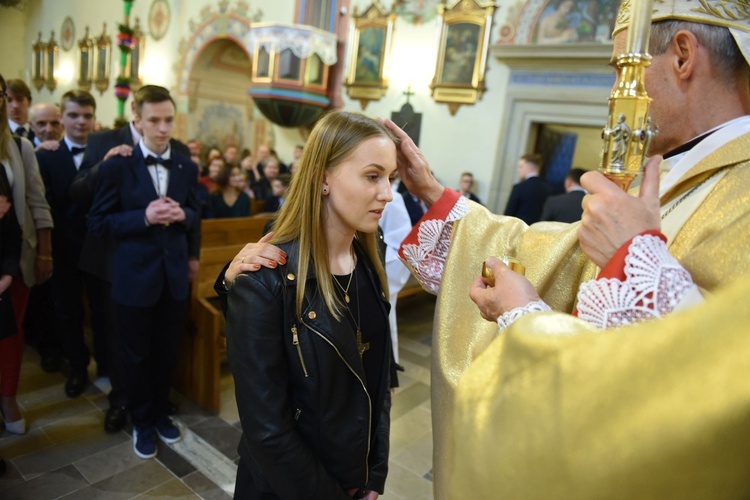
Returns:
(176,173)
(67,161)
(142,174)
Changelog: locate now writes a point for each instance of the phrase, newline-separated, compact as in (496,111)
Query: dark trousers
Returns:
(68,284)
(150,338)
(39,323)
(118,396)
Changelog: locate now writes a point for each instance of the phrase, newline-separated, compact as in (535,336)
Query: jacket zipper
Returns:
(295,341)
(364,387)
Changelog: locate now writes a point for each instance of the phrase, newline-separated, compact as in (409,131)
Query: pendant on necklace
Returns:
(346,297)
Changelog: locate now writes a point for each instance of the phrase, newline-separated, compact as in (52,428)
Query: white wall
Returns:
(452,144)
(467,141)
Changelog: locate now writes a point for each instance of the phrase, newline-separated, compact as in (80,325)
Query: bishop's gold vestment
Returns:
(555,408)
(712,245)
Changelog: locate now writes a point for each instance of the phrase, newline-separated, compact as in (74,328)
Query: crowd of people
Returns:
(69,225)
(230,179)
(308,335)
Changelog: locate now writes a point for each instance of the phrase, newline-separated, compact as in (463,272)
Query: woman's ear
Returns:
(324,188)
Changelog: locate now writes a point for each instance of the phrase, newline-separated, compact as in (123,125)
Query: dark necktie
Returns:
(21,132)
(76,150)
(153,160)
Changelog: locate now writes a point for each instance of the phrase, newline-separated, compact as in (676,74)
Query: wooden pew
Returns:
(204,348)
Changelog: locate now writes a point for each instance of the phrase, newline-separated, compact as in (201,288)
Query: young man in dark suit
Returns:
(566,207)
(58,169)
(97,253)
(147,203)
(528,196)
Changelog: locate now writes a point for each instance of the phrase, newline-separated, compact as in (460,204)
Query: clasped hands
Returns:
(164,211)
(611,218)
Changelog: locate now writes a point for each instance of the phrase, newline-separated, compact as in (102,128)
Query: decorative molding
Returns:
(545,54)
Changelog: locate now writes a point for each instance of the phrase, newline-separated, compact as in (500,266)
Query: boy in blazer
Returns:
(147,203)
(58,169)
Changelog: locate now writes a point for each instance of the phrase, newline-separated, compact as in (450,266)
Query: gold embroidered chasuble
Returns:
(712,245)
(555,408)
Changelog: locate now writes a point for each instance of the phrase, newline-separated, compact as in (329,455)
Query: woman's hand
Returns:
(5,205)
(5,282)
(253,256)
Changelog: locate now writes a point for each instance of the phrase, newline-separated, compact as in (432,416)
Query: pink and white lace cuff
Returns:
(655,284)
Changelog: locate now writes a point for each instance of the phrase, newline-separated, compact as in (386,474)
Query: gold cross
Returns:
(360,346)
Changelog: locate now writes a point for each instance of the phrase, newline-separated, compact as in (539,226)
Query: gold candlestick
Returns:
(629,132)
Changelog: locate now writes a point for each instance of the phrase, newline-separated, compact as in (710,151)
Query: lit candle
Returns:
(640,26)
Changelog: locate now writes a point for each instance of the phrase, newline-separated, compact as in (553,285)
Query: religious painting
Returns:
(39,50)
(85,61)
(462,55)
(102,55)
(51,79)
(369,49)
(417,11)
(158,19)
(571,21)
(67,34)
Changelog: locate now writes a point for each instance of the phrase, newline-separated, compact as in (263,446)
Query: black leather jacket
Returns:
(301,391)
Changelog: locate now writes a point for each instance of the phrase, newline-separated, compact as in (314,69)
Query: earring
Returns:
(325,190)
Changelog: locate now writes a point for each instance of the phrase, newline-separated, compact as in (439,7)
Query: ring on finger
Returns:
(242,260)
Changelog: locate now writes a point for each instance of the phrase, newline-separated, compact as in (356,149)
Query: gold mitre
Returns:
(732,14)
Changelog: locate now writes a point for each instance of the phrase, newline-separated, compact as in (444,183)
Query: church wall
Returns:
(13,34)
(468,140)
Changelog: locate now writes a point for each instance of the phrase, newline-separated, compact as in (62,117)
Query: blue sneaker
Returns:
(167,431)
(144,441)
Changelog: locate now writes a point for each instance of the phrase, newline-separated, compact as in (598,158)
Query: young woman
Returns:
(35,220)
(228,199)
(215,166)
(308,341)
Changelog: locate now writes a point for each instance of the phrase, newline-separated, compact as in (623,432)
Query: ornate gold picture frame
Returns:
(85,60)
(465,28)
(102,56)
(39,51)
(369,52)
(52,48)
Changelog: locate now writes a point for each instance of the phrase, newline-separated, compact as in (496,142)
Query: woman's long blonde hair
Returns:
(4,129)
(302,217)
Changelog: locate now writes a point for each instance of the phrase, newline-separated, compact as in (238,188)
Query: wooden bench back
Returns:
(221,240)
(222,232)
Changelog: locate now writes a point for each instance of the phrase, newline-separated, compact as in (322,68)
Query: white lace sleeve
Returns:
(655,285)
(427,257)
(509,317)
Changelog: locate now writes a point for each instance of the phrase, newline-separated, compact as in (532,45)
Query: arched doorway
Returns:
(221,113)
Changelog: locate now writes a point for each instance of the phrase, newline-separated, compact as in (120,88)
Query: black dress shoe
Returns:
(115,419)
(171,408)
(76,385)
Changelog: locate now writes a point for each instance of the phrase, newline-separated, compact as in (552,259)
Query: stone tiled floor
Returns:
(66,453)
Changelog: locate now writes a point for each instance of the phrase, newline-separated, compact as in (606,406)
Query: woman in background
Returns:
(228,199)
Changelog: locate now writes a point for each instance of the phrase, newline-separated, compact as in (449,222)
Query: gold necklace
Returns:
(361,347)
(346,290)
